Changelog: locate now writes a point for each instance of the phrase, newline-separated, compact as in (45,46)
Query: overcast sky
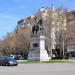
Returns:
(13,10)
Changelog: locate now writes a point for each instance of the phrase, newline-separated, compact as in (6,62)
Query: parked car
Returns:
(8,61)
(21,57)
(70,55)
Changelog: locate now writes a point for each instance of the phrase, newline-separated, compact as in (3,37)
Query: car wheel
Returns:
(16,64)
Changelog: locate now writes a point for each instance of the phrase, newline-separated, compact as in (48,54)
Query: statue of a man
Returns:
(37,26)
(35,29)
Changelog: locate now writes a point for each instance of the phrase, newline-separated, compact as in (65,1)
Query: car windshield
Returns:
(9,58)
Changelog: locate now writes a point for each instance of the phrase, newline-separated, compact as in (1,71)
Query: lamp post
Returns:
(53,29)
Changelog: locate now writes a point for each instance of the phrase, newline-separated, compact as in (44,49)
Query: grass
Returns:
(50,61)
(57,61)
(28,62)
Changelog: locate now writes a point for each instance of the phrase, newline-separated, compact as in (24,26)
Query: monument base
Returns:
(34,55)
(37,51)
(44,55)
(38,55)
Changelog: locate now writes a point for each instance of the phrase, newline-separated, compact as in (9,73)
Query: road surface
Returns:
(38,69)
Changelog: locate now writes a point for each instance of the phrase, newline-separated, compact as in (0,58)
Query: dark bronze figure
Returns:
(35,29)
(37,26)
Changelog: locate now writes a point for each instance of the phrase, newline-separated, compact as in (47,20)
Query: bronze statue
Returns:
(35,29)
(37,26)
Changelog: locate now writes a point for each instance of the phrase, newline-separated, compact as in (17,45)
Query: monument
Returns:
(37,51)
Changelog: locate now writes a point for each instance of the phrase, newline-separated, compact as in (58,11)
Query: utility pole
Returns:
(52,4)
(53,29)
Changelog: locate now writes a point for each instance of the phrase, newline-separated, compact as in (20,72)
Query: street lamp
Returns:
(53,31)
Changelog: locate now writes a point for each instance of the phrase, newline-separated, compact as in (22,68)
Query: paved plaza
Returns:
(38,69)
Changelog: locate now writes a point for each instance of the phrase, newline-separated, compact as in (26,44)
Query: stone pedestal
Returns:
(37,51)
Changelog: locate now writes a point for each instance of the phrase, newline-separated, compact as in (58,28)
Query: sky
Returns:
(12,11)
